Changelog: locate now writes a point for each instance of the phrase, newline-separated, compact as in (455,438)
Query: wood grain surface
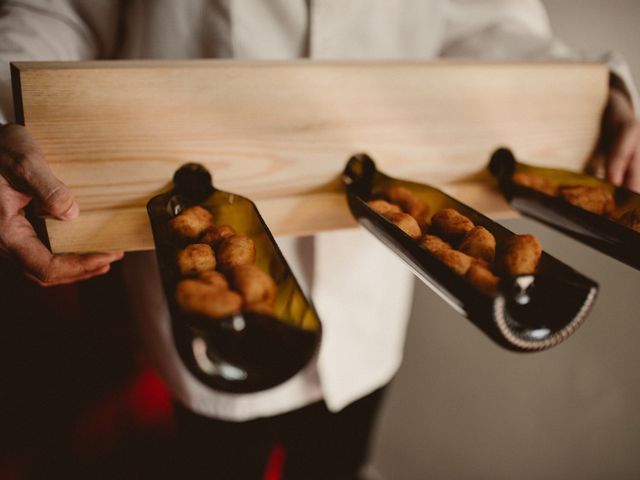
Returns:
(281,132)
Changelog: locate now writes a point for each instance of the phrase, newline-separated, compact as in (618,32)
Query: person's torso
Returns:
(282,29)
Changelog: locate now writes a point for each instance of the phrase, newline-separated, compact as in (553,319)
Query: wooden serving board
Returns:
(281,132)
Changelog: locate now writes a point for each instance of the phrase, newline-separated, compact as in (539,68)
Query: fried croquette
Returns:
(534,181)
(383,207)
(457,261)
(235,251)
(196,258)
(198,298)
(214,279)
(255,286)
(479,243)
(519,255)
(482,278)
(631,219)
(594,199)
(433,243)
(451,224)
(406,223)
(214,236)
(409,203)
(191,223)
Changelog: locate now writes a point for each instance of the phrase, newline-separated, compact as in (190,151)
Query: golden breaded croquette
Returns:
(631,219)
(457,261)
(594,199)
(433,243)
(235,251)
(451,225)
(409,203)
(214,279)
(383,207)
(535,182)
(215,235)
(255,286)
(482,278)
(196,258)
(479,243)
(198,298)
(519,255)
(191,223)
(406,223)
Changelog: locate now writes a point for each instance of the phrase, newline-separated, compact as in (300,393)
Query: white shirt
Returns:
(362,291)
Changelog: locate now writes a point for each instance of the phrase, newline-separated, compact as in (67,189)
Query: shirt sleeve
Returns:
(516,29)
(33,30)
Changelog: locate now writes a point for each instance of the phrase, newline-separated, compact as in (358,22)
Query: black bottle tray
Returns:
(246,352)
(527,313)
(597,231)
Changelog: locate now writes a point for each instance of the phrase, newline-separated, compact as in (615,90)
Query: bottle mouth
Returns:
(502,164)
(359,172)
(193,181)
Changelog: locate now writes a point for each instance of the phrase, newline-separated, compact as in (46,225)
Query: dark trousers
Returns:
(317,443)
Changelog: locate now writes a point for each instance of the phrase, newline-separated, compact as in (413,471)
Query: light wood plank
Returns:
(280,132)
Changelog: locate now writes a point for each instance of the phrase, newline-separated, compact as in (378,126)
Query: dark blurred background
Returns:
(76,397)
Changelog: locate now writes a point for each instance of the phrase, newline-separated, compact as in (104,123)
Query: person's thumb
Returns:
(24,166)
(58,202)
(51,196)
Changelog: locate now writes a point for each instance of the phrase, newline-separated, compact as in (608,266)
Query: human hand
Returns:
(620,141)
(25,177)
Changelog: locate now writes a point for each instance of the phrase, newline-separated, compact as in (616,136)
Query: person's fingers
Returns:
(12,202)
(26,176)
(63,269)
(51,195)
(632,178)
(623,151)
(65,281)
(21,244)
(23,165)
